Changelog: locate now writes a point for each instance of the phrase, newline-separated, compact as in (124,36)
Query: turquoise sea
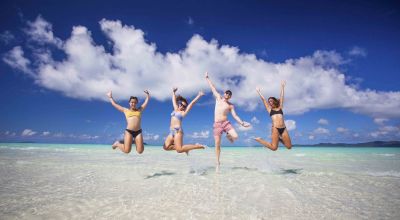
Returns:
(66,181)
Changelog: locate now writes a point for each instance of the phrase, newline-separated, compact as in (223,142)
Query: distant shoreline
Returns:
(394,144)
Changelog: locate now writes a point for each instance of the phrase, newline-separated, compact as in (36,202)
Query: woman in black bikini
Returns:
(279,132)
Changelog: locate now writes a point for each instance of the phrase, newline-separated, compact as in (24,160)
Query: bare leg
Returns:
(217,147)
(126,146)
(169,143)
(286,139)
(232,135)
(139,143)
(274,143)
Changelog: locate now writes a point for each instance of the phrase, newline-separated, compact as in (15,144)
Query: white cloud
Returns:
(6,37)
(358,51)
(389,128)
(88,71)
(150,137)
(15,58)
(342,130)
(46,133)
(356,135)
(254,120)
(380,121)
(321,131)
(311,137)
(201,134)
(41,32)
(290,125)
(28,132)
(323,121)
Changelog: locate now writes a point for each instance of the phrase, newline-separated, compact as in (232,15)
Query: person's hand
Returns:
(147,92)
(201,93)
(206,75)
(283,83)
(109,94)
(245,124)
(174,89)
(258,90)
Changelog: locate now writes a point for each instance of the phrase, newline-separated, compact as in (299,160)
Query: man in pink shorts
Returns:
(221,124)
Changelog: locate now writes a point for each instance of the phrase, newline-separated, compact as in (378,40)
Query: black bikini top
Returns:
(273,112)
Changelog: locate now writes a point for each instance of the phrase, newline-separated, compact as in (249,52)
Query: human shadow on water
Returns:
(290,171)
(162,173)
(244,168)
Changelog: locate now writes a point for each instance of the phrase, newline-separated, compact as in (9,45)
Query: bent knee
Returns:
(274,147)
(180,150)
(127,151)
(289,146)
(140,151)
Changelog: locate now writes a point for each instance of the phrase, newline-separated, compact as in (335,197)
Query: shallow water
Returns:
(46,181)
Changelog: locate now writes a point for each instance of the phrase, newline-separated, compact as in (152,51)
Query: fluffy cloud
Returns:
(254,120)
(89,70)
(323,121)
(290,125)
(201,134)
(342,130)
(28,132)
(321,131)
(15,58)
(151,137)
(6,37)
(46,133)
(380,121)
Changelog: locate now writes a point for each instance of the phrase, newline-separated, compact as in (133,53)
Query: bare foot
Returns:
(229,137)
(201,146)
(115,145)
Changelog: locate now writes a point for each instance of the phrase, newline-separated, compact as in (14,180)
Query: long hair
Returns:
(180,99)
(275,101)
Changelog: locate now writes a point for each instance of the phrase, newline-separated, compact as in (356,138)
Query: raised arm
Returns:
(213,89)
(174,99)
(283,83)
(263,100)
(201,93)
(236,117)
(113,103)
(146,101)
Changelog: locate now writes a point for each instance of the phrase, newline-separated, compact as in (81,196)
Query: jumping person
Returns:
(221,124)
(278,132)
(174,141)
(133,129)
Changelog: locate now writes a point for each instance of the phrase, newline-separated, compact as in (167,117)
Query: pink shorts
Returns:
(222,126)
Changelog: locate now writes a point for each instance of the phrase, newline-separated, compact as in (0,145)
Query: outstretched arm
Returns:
(236,117)
(174,99)
(263,99)
(146,101)
(283,83)
(213,89)
(201,93)
(113,103)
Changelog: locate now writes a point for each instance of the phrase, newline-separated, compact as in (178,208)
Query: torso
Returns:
(277,118)
(222,109)
(175,122)
(133,119)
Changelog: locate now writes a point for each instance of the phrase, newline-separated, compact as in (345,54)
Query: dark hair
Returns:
(275,101)
(133,97)
(229,92)
(180,99)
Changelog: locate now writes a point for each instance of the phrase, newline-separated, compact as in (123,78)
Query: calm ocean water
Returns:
(61,181)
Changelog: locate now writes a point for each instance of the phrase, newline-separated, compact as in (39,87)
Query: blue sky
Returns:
(340,60)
